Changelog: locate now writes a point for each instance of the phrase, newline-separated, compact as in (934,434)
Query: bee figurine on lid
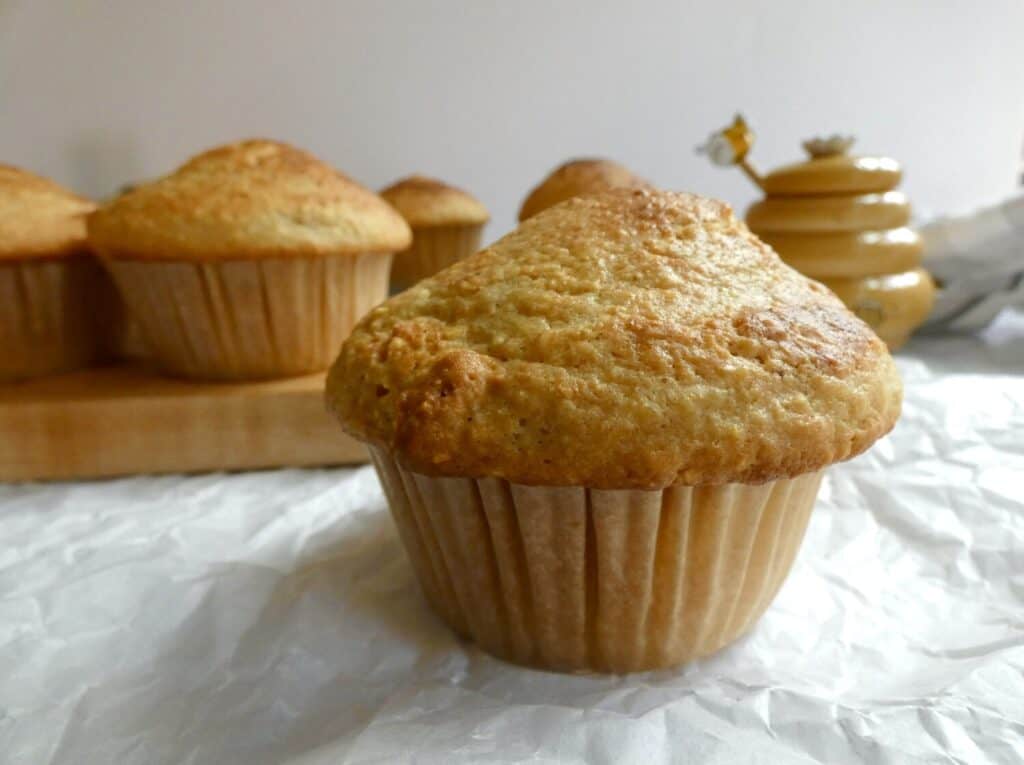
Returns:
(837,218)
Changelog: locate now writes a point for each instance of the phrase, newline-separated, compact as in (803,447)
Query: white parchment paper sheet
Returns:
(271,617)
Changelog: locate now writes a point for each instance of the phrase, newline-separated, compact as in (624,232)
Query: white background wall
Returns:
(491,94)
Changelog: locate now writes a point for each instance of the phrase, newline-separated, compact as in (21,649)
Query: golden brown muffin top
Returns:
(255,198)
(427,202)
(579,176)
(632,339)
(39,218)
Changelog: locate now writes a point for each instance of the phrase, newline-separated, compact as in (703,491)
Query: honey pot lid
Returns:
(831,169)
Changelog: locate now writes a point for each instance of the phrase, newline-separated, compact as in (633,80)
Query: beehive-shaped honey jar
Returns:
(838,218)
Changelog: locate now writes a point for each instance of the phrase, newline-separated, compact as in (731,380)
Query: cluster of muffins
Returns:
(601,438)
(251,261)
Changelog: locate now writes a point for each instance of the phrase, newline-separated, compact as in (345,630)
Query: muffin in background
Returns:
(601,438)
(446,223)
(253,260)
(576,177)
(52,290)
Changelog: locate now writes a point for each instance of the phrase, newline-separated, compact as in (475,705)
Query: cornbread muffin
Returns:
(601,438)
(253,260)
(446,223)
(576,177)
(50,287)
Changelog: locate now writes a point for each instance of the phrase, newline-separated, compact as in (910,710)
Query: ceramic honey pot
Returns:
(836,217)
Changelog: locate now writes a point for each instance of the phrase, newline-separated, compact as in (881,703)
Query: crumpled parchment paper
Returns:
(272,618)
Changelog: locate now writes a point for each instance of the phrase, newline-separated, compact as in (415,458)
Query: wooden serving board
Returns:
(121,420)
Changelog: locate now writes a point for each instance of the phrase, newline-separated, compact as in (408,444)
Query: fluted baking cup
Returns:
(571,578)
(249,319)
(433,248)
(48,316)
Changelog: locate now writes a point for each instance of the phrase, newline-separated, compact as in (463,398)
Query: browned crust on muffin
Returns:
(627,340)
(251,199)
(426,202)
(39,218)
(576,177)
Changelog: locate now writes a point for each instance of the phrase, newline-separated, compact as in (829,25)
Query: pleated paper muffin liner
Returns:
(128,343)
(249,319)
(48,316)
(433,249)
(585,579)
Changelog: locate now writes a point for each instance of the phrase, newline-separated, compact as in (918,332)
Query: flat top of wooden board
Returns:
(121,420)
(129,381)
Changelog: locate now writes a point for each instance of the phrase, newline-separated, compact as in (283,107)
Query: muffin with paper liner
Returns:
(446,223)
(253,260)
(53,294)
(601,438)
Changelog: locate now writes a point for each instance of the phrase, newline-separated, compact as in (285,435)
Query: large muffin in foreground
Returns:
(51,289)
(577,177)
(601,438)
(446,223)
(253,260)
